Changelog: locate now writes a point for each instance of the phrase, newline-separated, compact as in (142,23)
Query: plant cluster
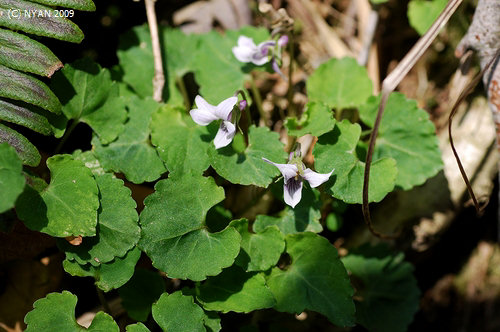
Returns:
(195,156)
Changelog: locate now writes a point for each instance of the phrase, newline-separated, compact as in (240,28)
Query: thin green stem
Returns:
(65,136)
(182,87)
(102,299)
(257,98)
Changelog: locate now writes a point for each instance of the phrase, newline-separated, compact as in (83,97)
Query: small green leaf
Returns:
(25,150)
(56,312)
(19,86)
(140,292)
(180,142)
(173,229)
(387,295)
(109,275)
(338,150)
(20,52)
(178,313)
(68,206)
(88,94)
(38,20)
(407,135)
(132,153)
(11,177)
(316,120)
(86,5)
(315,280)
(221,74)
(340,84)
(248,167)
(138,327)
(259,251)
(235,290)
(421,14)
(303,218)
(212,321)
(117,228)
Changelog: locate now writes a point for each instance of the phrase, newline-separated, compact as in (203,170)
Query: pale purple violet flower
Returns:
(294,173)
(247,51)
(206,113)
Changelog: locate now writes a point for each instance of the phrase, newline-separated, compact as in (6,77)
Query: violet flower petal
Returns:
(223,110)
(287,170)
(225,135)
(292,191)
(315,179)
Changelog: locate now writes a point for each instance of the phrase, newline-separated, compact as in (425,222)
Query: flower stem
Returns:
(65,136)
(182,87)
(258,99)
(291,50)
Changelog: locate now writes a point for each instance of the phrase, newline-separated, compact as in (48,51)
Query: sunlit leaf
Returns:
(421,14)
(56,312)
(178,313)
(407,135)
(181,143)
(117,228)
(338,150)
(67,206)
(316,120)
(339,83)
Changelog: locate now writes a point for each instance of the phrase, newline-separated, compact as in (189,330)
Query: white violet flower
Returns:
(206,113)
(294,173)
(247,51)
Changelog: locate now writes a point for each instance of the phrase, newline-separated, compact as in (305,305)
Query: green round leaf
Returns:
(248,167)
(259,251)
(315,280)
(56,312)
(140,292)
(181,143)
(138,327)
(421,14)
(339,84)
(117,228)
(109,275)
(387,295)
(178,313)
(407,135)
(11,177)
(316,120)
(338,150)
(132,153)
(174,235)
(235,290)
(68,206)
